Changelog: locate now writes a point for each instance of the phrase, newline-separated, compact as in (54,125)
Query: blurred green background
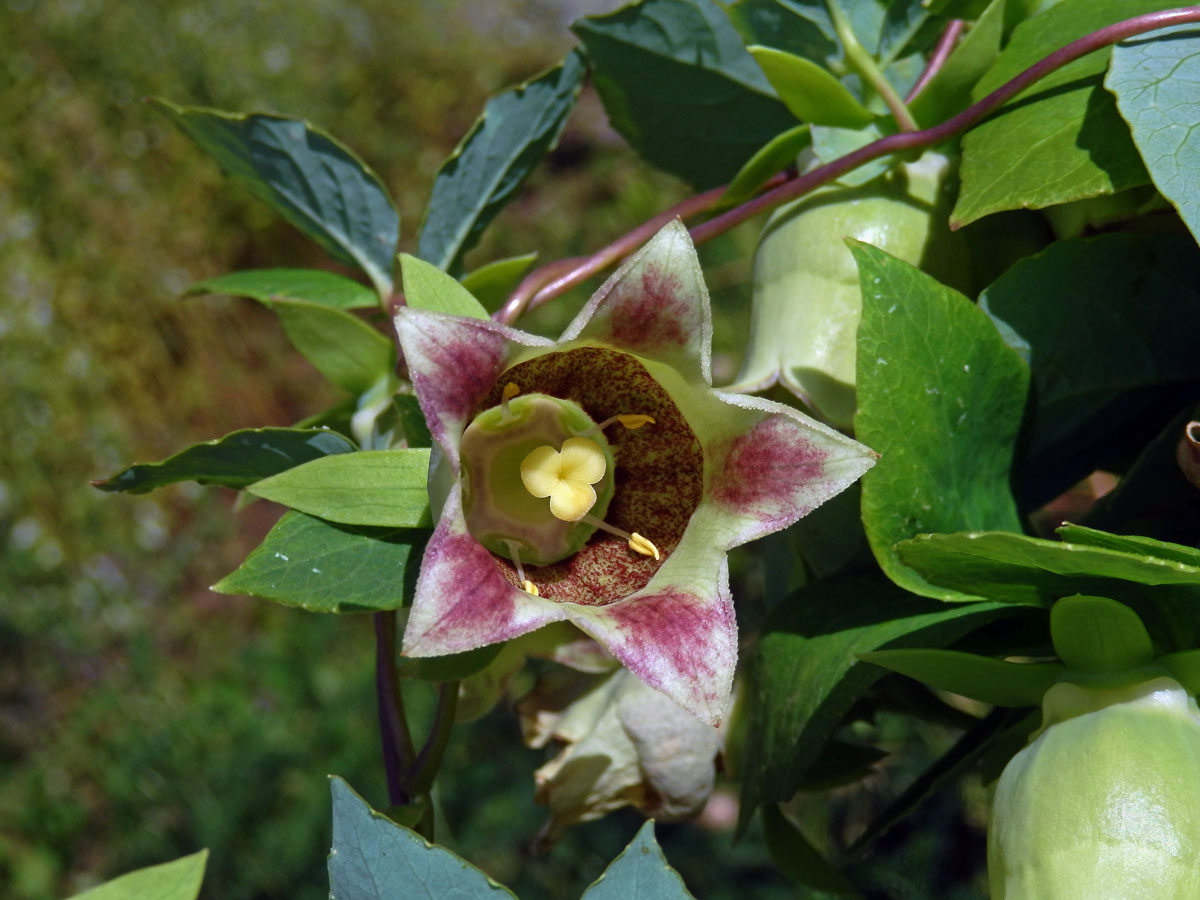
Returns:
(141,715)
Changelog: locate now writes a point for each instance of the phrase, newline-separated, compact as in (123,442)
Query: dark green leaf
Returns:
(949,91)
(428,287)
(983,678)
(1154,78)
(306,176)
(1128,543)
(940,397)
(455,667)
(492,282)
(1139,298)
(797,26)
(1095,634)
(341,346)
(808,674)
(1184,668)
(322,567)
(681,88)
(177,880)
(412,421)
(1015,568)
(385,488)
(901,23)
(774,156)
(641,872)
(312,285)
(517,128)
(798,859)
(1062,139)
(375,859)
(236,460)
(809,90)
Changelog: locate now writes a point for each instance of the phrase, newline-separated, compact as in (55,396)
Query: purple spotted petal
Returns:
(776,471)
(462,599)
(655,305)
(453,363)
(680,641)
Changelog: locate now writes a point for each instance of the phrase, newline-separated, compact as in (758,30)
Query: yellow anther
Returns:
(639,544)
(634,421)
(529,587)
(510,390)
(565,476)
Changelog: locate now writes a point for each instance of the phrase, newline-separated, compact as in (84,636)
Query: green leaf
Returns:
(386,488)
(1129,543)
(903,20)
(641,872)
(341,346)
(774,156)
(1137,295)
(318,566)
(454,667)
(177,880)
(313,285)
(949,91)
(1095,634)
(808,673)
(375,859)
(412,420)
(1184,668)
(306,176)
(234,461)
(1062,139)
(667,71)
(1015,568)
(1154,78)
(517,128)
(810,91)
(830,143)
(428,287)
(802,28)
(492,282)
(983,678)
(940,397)
(798,859)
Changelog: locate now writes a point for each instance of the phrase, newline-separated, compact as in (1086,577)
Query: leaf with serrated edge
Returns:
(518,127)
(341,346)
(176,880)
(666,71)
(1060,140)
(940,398)
(373,858)
(641,872)
(428,287)
(1155,78)
(319,566)
(385,488)
(313,285)
(308,177)
(234,461)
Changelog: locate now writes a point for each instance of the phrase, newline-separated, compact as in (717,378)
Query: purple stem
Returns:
(945,46)
(393,728)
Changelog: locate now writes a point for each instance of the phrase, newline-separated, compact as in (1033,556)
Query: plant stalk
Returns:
(397,743)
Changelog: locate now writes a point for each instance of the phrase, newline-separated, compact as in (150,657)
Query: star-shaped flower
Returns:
(651,477)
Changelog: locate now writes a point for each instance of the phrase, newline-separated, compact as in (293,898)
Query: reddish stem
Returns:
(945,46)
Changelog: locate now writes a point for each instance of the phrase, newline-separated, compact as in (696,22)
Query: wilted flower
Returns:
(600,479)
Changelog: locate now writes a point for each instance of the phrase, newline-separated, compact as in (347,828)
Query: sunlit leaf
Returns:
(177,880)
(312,285)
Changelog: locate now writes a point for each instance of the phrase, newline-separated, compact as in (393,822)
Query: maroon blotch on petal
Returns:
(768,473)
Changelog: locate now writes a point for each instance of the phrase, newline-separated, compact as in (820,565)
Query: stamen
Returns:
(515,554)
(510,390)
(637,543)
(530,588)
(632,421)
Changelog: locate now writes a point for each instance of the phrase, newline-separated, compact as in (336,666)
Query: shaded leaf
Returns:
(797,26)
(412,420)
(814,640)
(1154,78)
(319,566)
(1095,634)
(177,880)
(1130,543)
(1114,348)
(940,397)
(234,461)
(517,128)
(454,667)
(901,23)
(774,156)
(306,176)
(384,488)
(375,859)
(341,346)
(798,859)
(830,143)
(641,872)
(1062,139)
(810,91)
(313,285)
(667,70)
(492,282)
(983,678)
(949,91)
(428,287)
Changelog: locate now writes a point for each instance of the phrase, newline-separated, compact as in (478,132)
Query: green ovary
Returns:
(501,513)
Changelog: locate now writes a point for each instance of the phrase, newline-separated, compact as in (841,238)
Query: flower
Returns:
(651,474)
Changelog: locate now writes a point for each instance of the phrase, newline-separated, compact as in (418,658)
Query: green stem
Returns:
(420,777)
(864,64)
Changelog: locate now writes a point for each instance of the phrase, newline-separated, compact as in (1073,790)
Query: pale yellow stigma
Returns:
(565,476)
(637,543)
(510,390)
